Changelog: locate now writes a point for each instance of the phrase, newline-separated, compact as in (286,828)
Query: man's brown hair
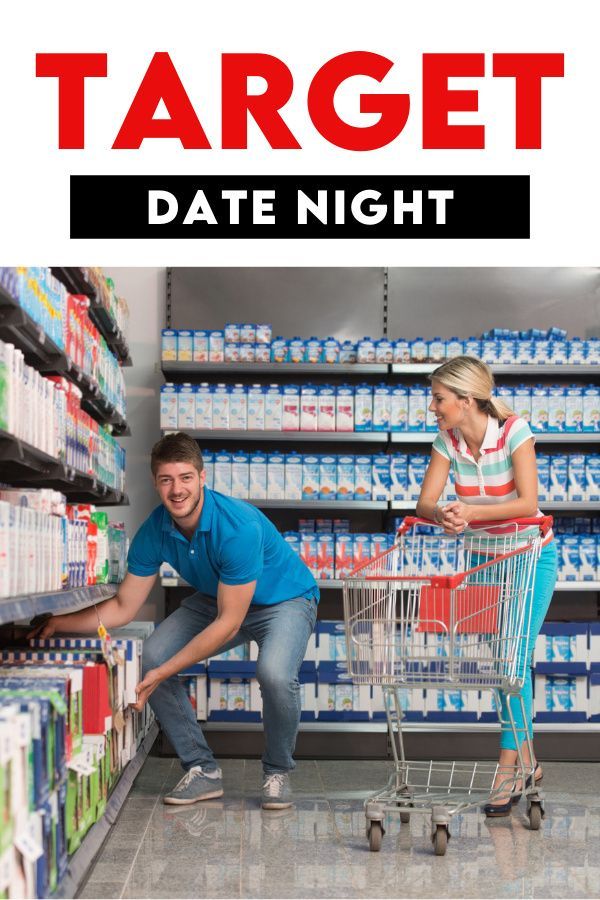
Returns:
(178,447)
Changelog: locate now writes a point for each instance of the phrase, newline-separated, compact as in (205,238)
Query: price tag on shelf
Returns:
(81,765)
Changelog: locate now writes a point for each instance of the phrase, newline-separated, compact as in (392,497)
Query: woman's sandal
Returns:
(497,810)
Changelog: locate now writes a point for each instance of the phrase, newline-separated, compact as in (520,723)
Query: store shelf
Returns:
(26,606)
(546,437)
(76,283)
(319,504)
(325,437)
(175,369)
(321,584)
(81,861)
(523,369)
(577,586)
(381,727)
(567,506)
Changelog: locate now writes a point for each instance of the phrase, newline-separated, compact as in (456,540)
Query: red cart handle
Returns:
(544,523)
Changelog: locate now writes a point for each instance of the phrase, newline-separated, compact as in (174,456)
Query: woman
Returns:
(491,452)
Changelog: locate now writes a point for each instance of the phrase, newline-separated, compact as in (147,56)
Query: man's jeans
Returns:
(281,632)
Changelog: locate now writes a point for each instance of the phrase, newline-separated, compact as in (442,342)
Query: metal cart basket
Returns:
(446,613)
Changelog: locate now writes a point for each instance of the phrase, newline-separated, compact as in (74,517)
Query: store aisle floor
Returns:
(232,848)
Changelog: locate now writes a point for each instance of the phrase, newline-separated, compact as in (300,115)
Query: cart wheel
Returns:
(405,818)
(535,816)
(440,840)
(375,837)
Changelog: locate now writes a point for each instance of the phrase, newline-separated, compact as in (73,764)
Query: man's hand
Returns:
(47,628)
(147,686)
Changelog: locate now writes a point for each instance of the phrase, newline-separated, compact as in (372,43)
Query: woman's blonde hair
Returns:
(467,376)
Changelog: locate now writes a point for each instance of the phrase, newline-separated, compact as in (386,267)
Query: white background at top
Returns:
(34,174)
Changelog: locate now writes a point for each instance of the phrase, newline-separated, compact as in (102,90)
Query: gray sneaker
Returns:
(196,785)
(276,792)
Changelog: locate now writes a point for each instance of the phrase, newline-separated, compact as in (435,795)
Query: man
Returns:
(251,586)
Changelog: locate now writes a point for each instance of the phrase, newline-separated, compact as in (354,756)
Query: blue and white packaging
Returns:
(168,351)
(381,477)
(379,545)
(279,350)
(592,477)
(200,346)
(238,408)
(412,703)
(247,352)
(345,478)
(542,351)
(240,475)
(204,406)
(297,350)
(570,558)
(293,476)
(310,476)
(256,407)
(344,408)
(309,409)
(262,353)
(419,350)
(399,408)
(576,351)
(363,407)
(363,478)
(592,354)
(273,407)
(223,472)
(539,408)
(347,353)
(292,539)
(382,407)
(451,704)
(325,556)
(398,476)
(186,407)
(326,408)
(275,476)
(216,346)
(185,345)
(169,407)
(472,347)
(437,350)
(454,347)
(489,351)
(557,408)
(559,469)
(258,476)
(384,351)
(507,351)
(248,333)
(402,351)
(232,353)
(574,408)
(365,350)
(331,351)
(208,458)
(417,466)
(558,352)
(506,393)
(417,407)
(521,402)
(232,333)
(576,491)
(560,697)
(327,477)
(524,352)
(591,408)
(543,470)
(220,401)
(291,407)
(588,557)
(264,334)
(313,352)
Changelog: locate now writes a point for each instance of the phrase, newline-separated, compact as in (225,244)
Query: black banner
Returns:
(289,206)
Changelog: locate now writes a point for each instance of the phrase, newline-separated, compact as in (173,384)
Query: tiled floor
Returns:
(232,848)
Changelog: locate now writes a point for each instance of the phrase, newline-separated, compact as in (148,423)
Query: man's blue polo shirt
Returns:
(233,543)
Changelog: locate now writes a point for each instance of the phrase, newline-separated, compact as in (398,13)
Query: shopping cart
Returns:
(445,612)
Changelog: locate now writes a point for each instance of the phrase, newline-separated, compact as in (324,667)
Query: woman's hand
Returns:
(147,686)
(455,516)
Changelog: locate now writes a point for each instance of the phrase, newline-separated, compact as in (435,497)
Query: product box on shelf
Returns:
(309,407)
(402,351)
(325,556)
(279,350)
(562,642)
(345,478)
(291,407)
(275,476)
(256,407)
(574,408)
(327,477)
(185,345)
(539,408)
(297,350)
(344,408)
(399,408)
(220,407)
(326,408)
(337,698)
(348,352)
(592,476)
(557,409)
(451,705)
(293,476)
(240,475)
(382,407)
(419,350)
(591,408)
(399,476)
(273,408)
(311,473)
(363,477)
(222,477)
(558,477)
(344,558)
(417,466)
(577,490)
(247,352)
(361,549)
(560,698)
(169,345)
(454,347)
(365,350)
(543,470)
(186,407)
(313,350)
(412,703)
(363,408)
(308,552)
(381,477)
(417,407)
(216,346)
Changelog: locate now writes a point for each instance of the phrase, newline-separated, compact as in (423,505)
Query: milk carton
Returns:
(310,476)
(168,345)
(570,557)
(341,526)
(363,478)
(454,347)
(204,406)
(291,407)
(325,556)
(262,353)
(576,491)
(247,352)
(506,351)
(232,333)
(308,407)
(521,401)
(344,560)
(558,352)
(258,476)
(591,408)
(223,472)
(489,351)
(308,553)
(185,345)
(327,477)
(587,557)
(473,347)
(592,476)
(363,408)
(344,408)
(263,334)
(558,478)
(208,457)
(506,394)
(348,353)
(216,346)
(574,408)
(248,333)
(576,351)
(381,477)
(542,351)
(401,351)
(539,408)
(232,353)
(437,350)
(361,549)
(292,539)
(293,476)
(417,466)
(365,350)
(417,407)
(524,351)
(186,407)
(557,411)
(592,351)
(256,407)
(331,351)
(399,408)
(379,545)
(220,401)
(275,476)
(297,350)
(326,408)
(418,350)
(398,476)
(200,346)
(384,351)
(345,478)
(543,469)
(279,350)
(169,407)
(382,407)
(238,408)
(273,407)
(240,475)
(313,350)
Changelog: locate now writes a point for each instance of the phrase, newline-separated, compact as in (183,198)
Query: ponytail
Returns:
(467,376)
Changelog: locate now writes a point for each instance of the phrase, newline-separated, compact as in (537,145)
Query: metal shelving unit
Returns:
(333,505)
(26,606)
(523,369)
(343,437)
(178,369)
(546,437)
